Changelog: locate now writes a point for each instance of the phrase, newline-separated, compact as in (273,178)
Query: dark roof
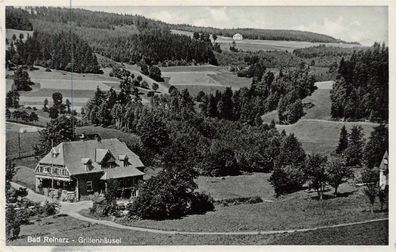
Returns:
(70,155)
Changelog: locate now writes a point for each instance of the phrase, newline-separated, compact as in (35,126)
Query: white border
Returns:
(392,117)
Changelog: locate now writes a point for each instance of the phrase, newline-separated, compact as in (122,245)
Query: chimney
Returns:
(98,138)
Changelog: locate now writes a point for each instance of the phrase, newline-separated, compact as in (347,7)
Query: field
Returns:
(315,130)
(237,186)
(317,106)
(321,136)
(78,88)
(25,177)
(256,45)
(206,78)
(11,32)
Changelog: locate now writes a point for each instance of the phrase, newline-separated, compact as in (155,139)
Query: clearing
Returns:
(205,78)
(321,136)
(315,130)
(256,44)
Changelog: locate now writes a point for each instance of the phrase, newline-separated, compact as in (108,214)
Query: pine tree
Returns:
(343,141)
(354,151)
(291,152)
(376,146)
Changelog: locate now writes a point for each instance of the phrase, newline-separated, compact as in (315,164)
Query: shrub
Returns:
(154,86)
(287,179)
(241,200)
(13,224)
(50,208)
(201,203)
(145,85)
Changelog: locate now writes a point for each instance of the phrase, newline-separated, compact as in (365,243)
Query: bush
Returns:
(287,179)
(201,203)
(154,86)
(145,85)
(241,200)
(50,208)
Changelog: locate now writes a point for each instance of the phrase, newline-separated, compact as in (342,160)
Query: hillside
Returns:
(261,34)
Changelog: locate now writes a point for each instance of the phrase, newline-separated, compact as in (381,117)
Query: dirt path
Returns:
(73,209)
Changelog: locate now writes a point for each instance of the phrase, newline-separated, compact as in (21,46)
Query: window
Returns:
(89,186)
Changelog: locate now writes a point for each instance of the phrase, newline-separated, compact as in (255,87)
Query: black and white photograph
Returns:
(131,125)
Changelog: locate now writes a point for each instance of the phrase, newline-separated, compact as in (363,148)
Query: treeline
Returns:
(94,19)
(361,89)
(17,19)
(154,44)
(324,51)
(156,47)
(268,92)
(262,34)
(63,51)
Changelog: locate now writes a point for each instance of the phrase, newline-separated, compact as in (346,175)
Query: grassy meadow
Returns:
(205,78)
(256,44)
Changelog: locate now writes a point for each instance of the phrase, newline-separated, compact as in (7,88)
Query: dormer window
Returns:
(124,159)
(54,153)
(87,162)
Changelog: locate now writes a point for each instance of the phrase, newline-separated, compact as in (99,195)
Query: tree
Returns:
(315,172)
(57,131)
(45,106)
(22,80)
(145,85)
(155,73)
(152,130)
(286,179)
(337,172)
(68,106)
(144,69)
(343,141)
(221,163)
(169,195)
(57,100)
(53,113)
(8,113)
(354,151)
(12,99)
(155,86)
(376,146)
(33,117)
(291,152)
(370,179)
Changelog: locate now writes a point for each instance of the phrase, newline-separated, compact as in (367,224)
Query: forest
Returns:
(123,38)
(361,89)
(63,51)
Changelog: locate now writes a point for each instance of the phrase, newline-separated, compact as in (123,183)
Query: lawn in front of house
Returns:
(255,184)
(293,211)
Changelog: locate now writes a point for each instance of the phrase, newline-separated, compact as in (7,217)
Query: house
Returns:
(384,172)
(237,36)
(81,168)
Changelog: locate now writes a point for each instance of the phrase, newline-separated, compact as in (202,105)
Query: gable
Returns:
(71,155)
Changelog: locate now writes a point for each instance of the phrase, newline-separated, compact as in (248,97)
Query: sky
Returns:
(350,23)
